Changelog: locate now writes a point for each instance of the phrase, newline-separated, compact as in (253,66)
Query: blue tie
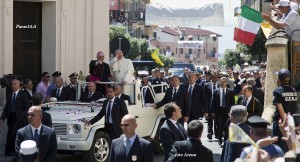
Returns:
(108,111)
(14,98)
(57,93)
(224,99)
(128,146)
(36,136)
(90,95)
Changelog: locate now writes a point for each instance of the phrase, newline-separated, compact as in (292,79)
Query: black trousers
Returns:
(11,134)
(221,119)
(111,131)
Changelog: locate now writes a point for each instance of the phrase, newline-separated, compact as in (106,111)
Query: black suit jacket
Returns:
(215,102)
(183,79)
(141,149)
(27,94)
(182,99)
(168,134)
(254,107)
(126,97)
(72,91)
(96,96)
(148,96)
(232,150)
(198,102)
(102,71)
(193,147)
(259,94)
(208,93)
(21,106)
(118,110)
(65,94)
(47,142)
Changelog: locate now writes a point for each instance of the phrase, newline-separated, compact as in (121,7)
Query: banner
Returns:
(190,44)
(189,15)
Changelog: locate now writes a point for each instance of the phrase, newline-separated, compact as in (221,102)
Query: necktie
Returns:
(190,90)
(181,131)
(14,97)
(57,93)
(128,146)
(108,111)
(36,136)
(223,98)
(246,100)
(174,92)
(90,95)
(214,87)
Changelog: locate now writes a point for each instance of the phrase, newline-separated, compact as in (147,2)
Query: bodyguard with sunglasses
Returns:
(43,136)
(130,147)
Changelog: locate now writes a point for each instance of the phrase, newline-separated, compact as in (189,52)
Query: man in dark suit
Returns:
(209,90)
(91,94)
(73,85)
(113,109)
(232,150)
(16,104)
(130,147)
(121,95)
(180,96)
(28,89)
(61,93)
(146,91)
(257,92)
(191,150)
(44,136)
(253,105)
(222,101)
(237,86)
(197,98)
(37,100)
(184,79)
(171,130)
(156,80)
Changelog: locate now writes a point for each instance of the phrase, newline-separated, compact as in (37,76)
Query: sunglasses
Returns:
(124,125)
(31,114)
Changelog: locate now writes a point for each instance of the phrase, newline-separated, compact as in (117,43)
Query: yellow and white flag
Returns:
(155,57)
(266,28)
(236,134)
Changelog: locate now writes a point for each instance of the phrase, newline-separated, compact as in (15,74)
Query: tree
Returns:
(257,49)
(138,46)
(166,60)
(231,58)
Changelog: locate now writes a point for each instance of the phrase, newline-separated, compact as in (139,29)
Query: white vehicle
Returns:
(93,141)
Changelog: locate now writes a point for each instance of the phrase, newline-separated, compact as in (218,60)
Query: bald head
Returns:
(58,82)
(129,118)
(91,86)
(35,116)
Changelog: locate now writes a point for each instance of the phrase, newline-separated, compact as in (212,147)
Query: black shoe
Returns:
(14,159)
(209,136)
(220,142)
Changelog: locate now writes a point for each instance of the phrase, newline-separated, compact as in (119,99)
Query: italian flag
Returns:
(249,24)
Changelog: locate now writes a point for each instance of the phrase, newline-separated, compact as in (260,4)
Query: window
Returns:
(181,50)
(190,51)
(181,38)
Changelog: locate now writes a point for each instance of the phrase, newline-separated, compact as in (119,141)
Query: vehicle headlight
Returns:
(76,128)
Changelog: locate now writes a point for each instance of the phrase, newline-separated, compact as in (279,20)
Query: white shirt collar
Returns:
(192,85)
(112,100)
(60,89)
(249,98)
(33,129)
(16,92)
(119,95)
(174,122)
(176,87)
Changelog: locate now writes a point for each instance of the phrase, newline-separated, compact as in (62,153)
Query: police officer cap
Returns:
(283,74)
(257,122)
(73,75)
(207,73)
(56,74)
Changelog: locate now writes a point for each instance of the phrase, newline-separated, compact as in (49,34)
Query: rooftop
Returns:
(188,31)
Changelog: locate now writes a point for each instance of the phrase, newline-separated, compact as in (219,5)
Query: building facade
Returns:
(167,39)
(50,35)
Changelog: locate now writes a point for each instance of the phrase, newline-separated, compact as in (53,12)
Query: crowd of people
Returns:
(221,97)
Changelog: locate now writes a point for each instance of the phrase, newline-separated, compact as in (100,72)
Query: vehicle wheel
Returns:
(99,151)
(158,149)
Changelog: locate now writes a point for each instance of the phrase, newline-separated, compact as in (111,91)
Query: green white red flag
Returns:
(249,24)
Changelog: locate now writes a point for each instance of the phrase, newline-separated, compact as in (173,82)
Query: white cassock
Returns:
(122,70)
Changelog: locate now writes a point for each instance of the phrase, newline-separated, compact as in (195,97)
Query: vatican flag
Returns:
(266,28)
(236,134)
(155,57)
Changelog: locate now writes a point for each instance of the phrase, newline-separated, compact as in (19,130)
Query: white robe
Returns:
(122,70)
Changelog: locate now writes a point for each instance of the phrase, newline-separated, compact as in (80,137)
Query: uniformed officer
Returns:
(259,130)
(73,85)
(285,100)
